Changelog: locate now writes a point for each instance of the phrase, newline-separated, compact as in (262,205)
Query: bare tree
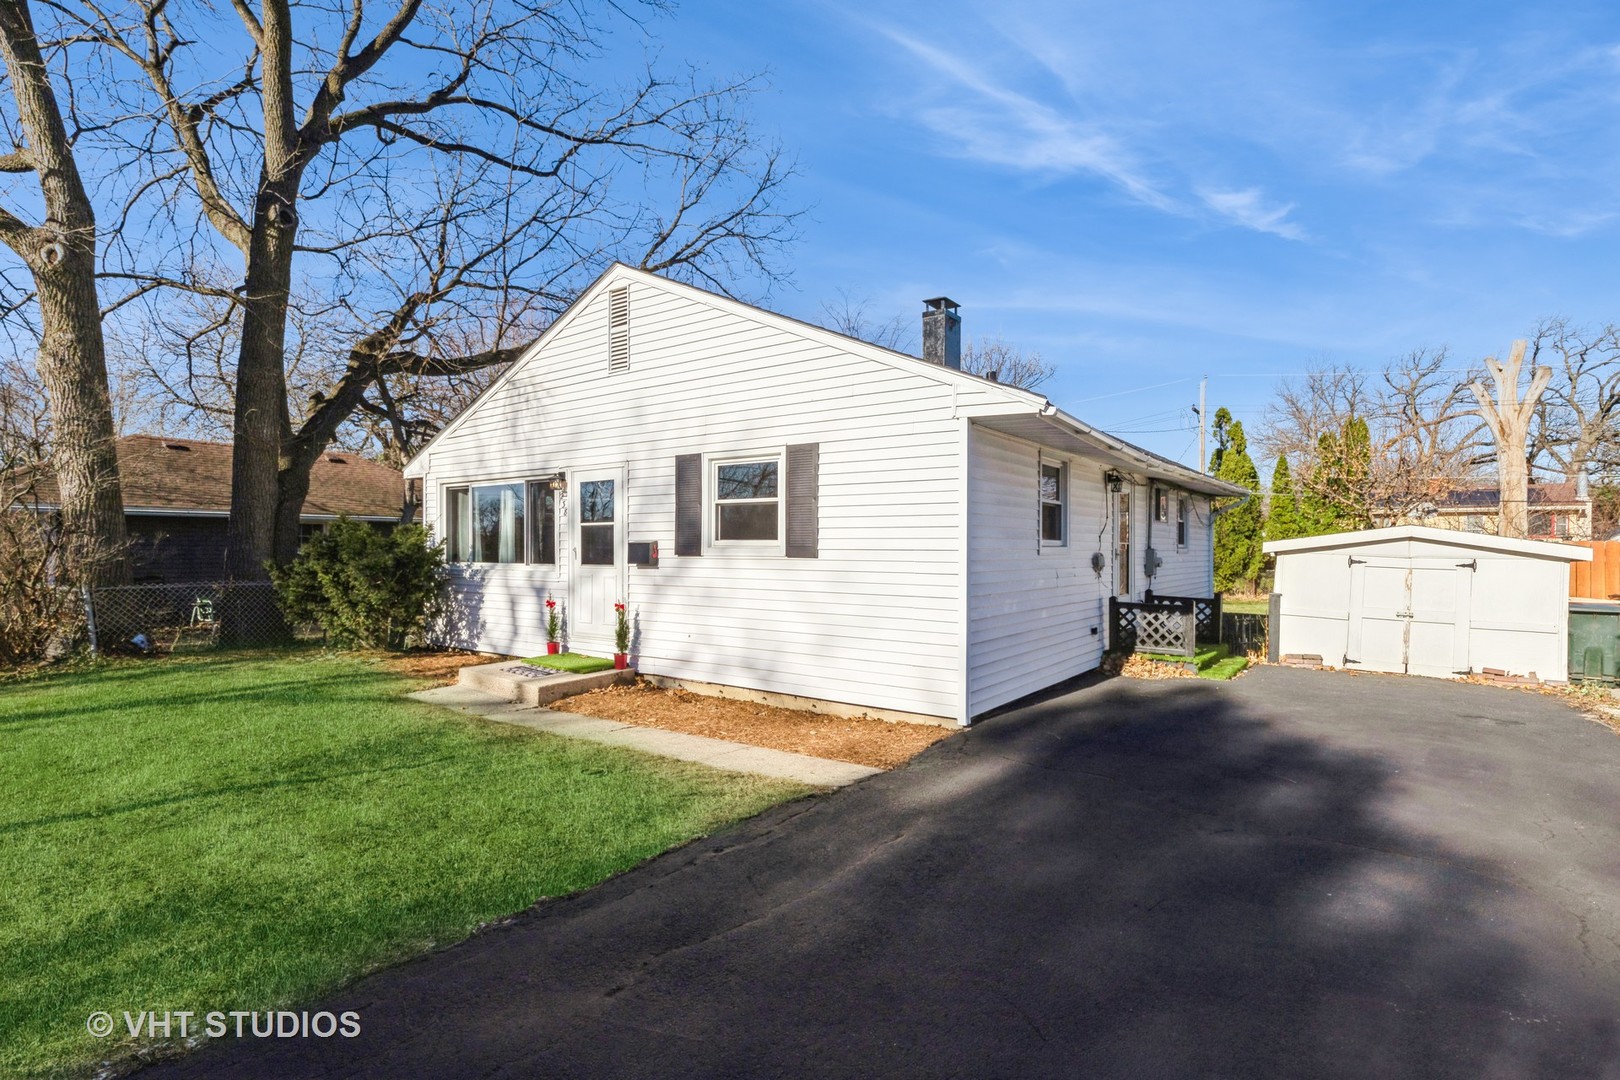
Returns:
(1424,438)
(1508,419)
(1303,410)
(852,316)
(994,358)
(1577,421)
(1428,440)
(301,161)
(60,254)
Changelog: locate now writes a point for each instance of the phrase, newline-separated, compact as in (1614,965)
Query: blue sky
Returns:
(1156,191)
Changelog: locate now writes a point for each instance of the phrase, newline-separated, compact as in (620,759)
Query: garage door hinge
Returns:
(1357,562)
(1472,564)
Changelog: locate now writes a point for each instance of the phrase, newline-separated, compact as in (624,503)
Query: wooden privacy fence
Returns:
(1600,578)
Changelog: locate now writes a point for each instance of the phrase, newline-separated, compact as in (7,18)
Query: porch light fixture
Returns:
(1114,480)
(558,482)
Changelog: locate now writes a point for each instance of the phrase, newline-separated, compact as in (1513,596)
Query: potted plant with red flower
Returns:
(621,638)
(553,627)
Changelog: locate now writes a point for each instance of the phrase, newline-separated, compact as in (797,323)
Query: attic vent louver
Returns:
(619,328)
(176,446)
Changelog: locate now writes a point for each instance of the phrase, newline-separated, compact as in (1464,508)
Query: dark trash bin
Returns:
(1594,640)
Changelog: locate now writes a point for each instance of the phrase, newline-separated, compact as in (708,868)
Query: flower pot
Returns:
(621,660)
(553,647)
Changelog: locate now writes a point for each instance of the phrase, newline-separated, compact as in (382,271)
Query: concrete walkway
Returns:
(737,757)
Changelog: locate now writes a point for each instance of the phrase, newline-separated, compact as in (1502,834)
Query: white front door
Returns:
(1409,616)
(598,559)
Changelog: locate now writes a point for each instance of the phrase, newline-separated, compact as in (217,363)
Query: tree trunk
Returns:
(1508,419)
(72,361)
(261,427)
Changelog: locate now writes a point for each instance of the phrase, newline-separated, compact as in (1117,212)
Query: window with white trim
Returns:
(512,522)
(1054,503)
(746,504)
(1183,521)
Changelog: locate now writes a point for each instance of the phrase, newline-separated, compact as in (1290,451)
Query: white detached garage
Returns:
(1420,601)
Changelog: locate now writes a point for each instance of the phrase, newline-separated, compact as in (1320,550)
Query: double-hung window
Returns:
(747,501)
(1183,514)
(1054,503)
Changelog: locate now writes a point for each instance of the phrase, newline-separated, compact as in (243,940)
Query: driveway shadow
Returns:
(1127,880)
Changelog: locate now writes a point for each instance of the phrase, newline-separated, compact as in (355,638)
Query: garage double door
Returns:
(1410,616)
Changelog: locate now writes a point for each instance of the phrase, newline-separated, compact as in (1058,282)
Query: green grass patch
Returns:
(1246,607)
(250,832)
(1225,668)
(572,662)
(1214,661)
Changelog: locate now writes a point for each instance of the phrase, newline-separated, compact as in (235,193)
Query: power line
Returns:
(1137,390)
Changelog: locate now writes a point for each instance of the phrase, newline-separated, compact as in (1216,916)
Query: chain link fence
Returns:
(190,616)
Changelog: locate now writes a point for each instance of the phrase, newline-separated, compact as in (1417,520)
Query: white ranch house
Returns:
(833,521)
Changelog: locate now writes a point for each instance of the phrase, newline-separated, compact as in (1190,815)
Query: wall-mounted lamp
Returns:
(559,482)
(1114,480)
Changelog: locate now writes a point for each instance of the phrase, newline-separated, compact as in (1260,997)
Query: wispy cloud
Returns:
(1248,207)
(1001,126)
(985,119)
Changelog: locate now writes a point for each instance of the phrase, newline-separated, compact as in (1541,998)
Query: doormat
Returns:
(532,672)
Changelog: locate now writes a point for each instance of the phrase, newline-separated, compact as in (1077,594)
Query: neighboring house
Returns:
(788,510)
(1561,511)
(177,501)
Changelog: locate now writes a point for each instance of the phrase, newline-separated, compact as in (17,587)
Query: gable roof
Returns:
(1019,402)
(1451,537)
(1490,498)
(190,476)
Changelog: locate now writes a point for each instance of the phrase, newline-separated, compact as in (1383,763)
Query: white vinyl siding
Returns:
(873,620)
(1184,571)
(1031,607)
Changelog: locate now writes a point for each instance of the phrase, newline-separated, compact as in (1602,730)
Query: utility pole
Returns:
(1203,461)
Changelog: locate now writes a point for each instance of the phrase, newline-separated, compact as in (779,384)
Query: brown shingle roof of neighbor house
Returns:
(1489,498)
(191,476)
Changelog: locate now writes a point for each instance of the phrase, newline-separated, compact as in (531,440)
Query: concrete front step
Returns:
(533,686)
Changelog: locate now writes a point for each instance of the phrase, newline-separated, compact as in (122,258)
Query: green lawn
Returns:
(1246,607)
(247,832)
(576,663)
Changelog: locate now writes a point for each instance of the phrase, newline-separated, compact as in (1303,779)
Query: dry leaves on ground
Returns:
(441,667)
(879,744)
(1140,667)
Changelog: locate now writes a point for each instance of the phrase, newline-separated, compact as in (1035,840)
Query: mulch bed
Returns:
(879,744)
(441,667)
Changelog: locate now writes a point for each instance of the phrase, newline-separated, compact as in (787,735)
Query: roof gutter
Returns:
(1152,462)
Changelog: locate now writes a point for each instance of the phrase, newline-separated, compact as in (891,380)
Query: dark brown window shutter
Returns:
(803,495)
(689,504)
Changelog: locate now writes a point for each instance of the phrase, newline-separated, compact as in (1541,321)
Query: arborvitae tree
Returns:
(1238,532)
(1283,516)
(1338,493)
(1355,504)
(1316,513)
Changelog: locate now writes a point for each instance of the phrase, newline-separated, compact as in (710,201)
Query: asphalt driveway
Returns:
(1296,874)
